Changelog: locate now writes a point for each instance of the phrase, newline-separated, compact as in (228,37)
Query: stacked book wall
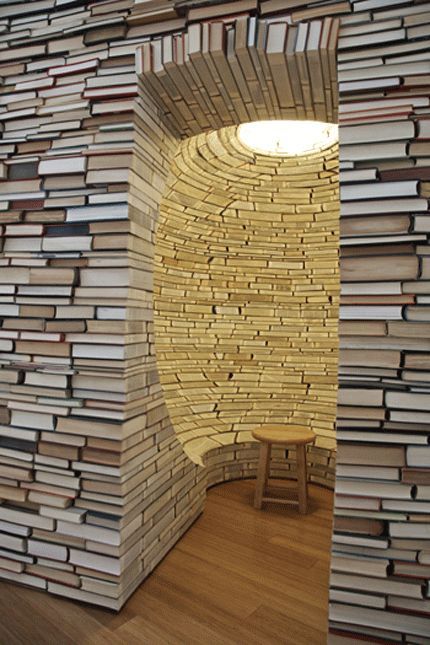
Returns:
(381,543)
(65,156)
(82,492)
(84,431)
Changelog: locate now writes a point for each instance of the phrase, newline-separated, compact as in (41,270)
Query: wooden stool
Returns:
(285,435)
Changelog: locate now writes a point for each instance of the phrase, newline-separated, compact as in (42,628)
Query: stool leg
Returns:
(302,478)
(262,474)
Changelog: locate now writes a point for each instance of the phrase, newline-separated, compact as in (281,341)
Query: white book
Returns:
(62,480)
(410,58)
(357,503)
(348,42)
(371,151)
(379,189)
(369,207)
(368,27)
(47,550)
(424,128)
(31,195)
(408,400)
(314,35)
(418,456)
(365,5)
(24,230)
(276,37)
(95,561)
(64,165)
(378,585)
(418,417)
(32,420)
(372,84)
(9,310)
(110,313)
(98,351)
(365,174)
(19,557)
(370,312)
(95,213)
(74,515)
(22,244)
(360,396)
(12,542)
(371,288)
(23,578)
(373,567)
(383,239)
(393,69)
(379,543)
(83,596)
(420,101)
(95,468)
(55,462)
(82,243)
(424,557)
(252,27)
(381,437)
(15,529)
(354,64)
(420,530)
(88,532)
(393,131)
(353,598)
(423,492)
(381,619)
(408,506)
(373,489)
(367,472)
(389,553)
(302,35)
(44,291)
(74,68)
(414,605)
(107,198)
(17,433)
(26,518)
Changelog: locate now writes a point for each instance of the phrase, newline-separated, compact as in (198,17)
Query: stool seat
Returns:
(284,434)
(287,435)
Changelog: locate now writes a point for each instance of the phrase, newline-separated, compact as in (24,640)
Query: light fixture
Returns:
(287,138)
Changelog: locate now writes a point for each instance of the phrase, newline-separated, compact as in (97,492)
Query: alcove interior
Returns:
(246,290)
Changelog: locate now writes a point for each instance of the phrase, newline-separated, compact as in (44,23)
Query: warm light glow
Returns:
(287,138)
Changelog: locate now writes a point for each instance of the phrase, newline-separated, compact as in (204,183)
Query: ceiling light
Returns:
(287,138)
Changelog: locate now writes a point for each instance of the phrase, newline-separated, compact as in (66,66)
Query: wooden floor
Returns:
(239,576)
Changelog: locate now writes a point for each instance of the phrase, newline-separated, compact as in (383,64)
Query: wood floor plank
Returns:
(239,575)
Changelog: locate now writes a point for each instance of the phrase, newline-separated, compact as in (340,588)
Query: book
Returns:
(378,618)
(371,455)
(418,456)
(373,584)
(376,269)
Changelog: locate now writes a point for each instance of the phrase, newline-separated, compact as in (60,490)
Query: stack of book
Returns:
(379,581)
